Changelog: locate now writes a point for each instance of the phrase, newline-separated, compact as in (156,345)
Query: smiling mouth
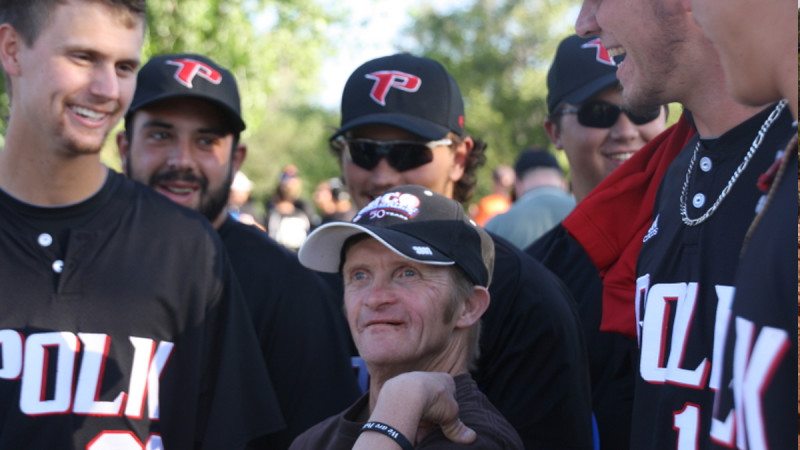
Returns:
(615,51)
(178,190)
(88,113)
(384,322)
(620,157)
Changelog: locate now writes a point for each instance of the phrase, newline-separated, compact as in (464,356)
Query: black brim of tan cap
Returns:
(322,249)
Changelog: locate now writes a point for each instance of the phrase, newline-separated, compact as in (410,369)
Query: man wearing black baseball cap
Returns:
(597,134)
(415,270)
(585,118)
(403,123)
(542,200)
(182,139)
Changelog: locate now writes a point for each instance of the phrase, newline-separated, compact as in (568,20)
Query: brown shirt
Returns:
(340,432)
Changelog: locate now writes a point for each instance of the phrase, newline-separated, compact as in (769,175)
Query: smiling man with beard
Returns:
(182,140)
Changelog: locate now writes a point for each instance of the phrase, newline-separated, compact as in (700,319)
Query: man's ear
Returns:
(10,44)
(473,307)
(554,133)
(123,147)
(238,156)
(460,156)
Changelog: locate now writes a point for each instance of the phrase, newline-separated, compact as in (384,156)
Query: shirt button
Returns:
(698,200)
(58,266)
(45,240)
(705,164)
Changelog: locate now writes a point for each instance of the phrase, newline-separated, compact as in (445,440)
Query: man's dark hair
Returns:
(465,187)
(28,17)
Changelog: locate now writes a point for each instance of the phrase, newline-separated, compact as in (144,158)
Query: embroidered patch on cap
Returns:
(396,204)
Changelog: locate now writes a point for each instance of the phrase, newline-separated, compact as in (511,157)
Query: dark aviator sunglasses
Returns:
(401,155)
(600,114)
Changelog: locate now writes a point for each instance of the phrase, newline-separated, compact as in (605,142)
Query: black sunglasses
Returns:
(401,155)
(600,114)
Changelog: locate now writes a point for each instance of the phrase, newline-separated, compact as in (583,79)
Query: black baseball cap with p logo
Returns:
(581,69)
(187,75)
(410,92)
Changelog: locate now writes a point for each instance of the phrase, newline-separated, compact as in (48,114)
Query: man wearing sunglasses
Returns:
(585,117)
(403,123)
(598,135)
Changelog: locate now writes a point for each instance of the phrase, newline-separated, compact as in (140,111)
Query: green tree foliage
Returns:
(499,52)
(275,48)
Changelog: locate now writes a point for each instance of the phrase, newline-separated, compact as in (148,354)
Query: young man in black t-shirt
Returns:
(181,139)
(121,320)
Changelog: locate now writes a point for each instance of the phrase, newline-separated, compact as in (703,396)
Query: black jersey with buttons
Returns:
(140,342)
(685,278)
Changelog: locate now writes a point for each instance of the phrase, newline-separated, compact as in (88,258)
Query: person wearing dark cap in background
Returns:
(415,270)
(181,139)
(542,199)
(597,136)
(403,123)
(585,116)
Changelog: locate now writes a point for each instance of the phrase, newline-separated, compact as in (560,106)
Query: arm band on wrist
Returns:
(386,430)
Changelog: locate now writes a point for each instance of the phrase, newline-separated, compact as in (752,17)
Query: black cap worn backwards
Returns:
(581,69)
(410,92)
(187,75)
(414,223)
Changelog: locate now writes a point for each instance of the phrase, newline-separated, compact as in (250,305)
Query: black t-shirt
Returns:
(127,335)
(341,431)
(685,282)
(755,405)
(533,363)
(299,327)
(610,354)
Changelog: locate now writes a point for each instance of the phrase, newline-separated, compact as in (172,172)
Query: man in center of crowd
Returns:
(403,123)
(415,270)
(181,138)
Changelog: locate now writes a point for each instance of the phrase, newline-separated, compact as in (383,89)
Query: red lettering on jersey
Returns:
(123,440)
(90,379)
(656,327)
(148,363)
(60,391)
(189,68)
(38,347)
(723,431)
(11,352)
(754,366)
(385,80)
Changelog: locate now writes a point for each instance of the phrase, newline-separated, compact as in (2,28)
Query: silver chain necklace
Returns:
(753,147)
